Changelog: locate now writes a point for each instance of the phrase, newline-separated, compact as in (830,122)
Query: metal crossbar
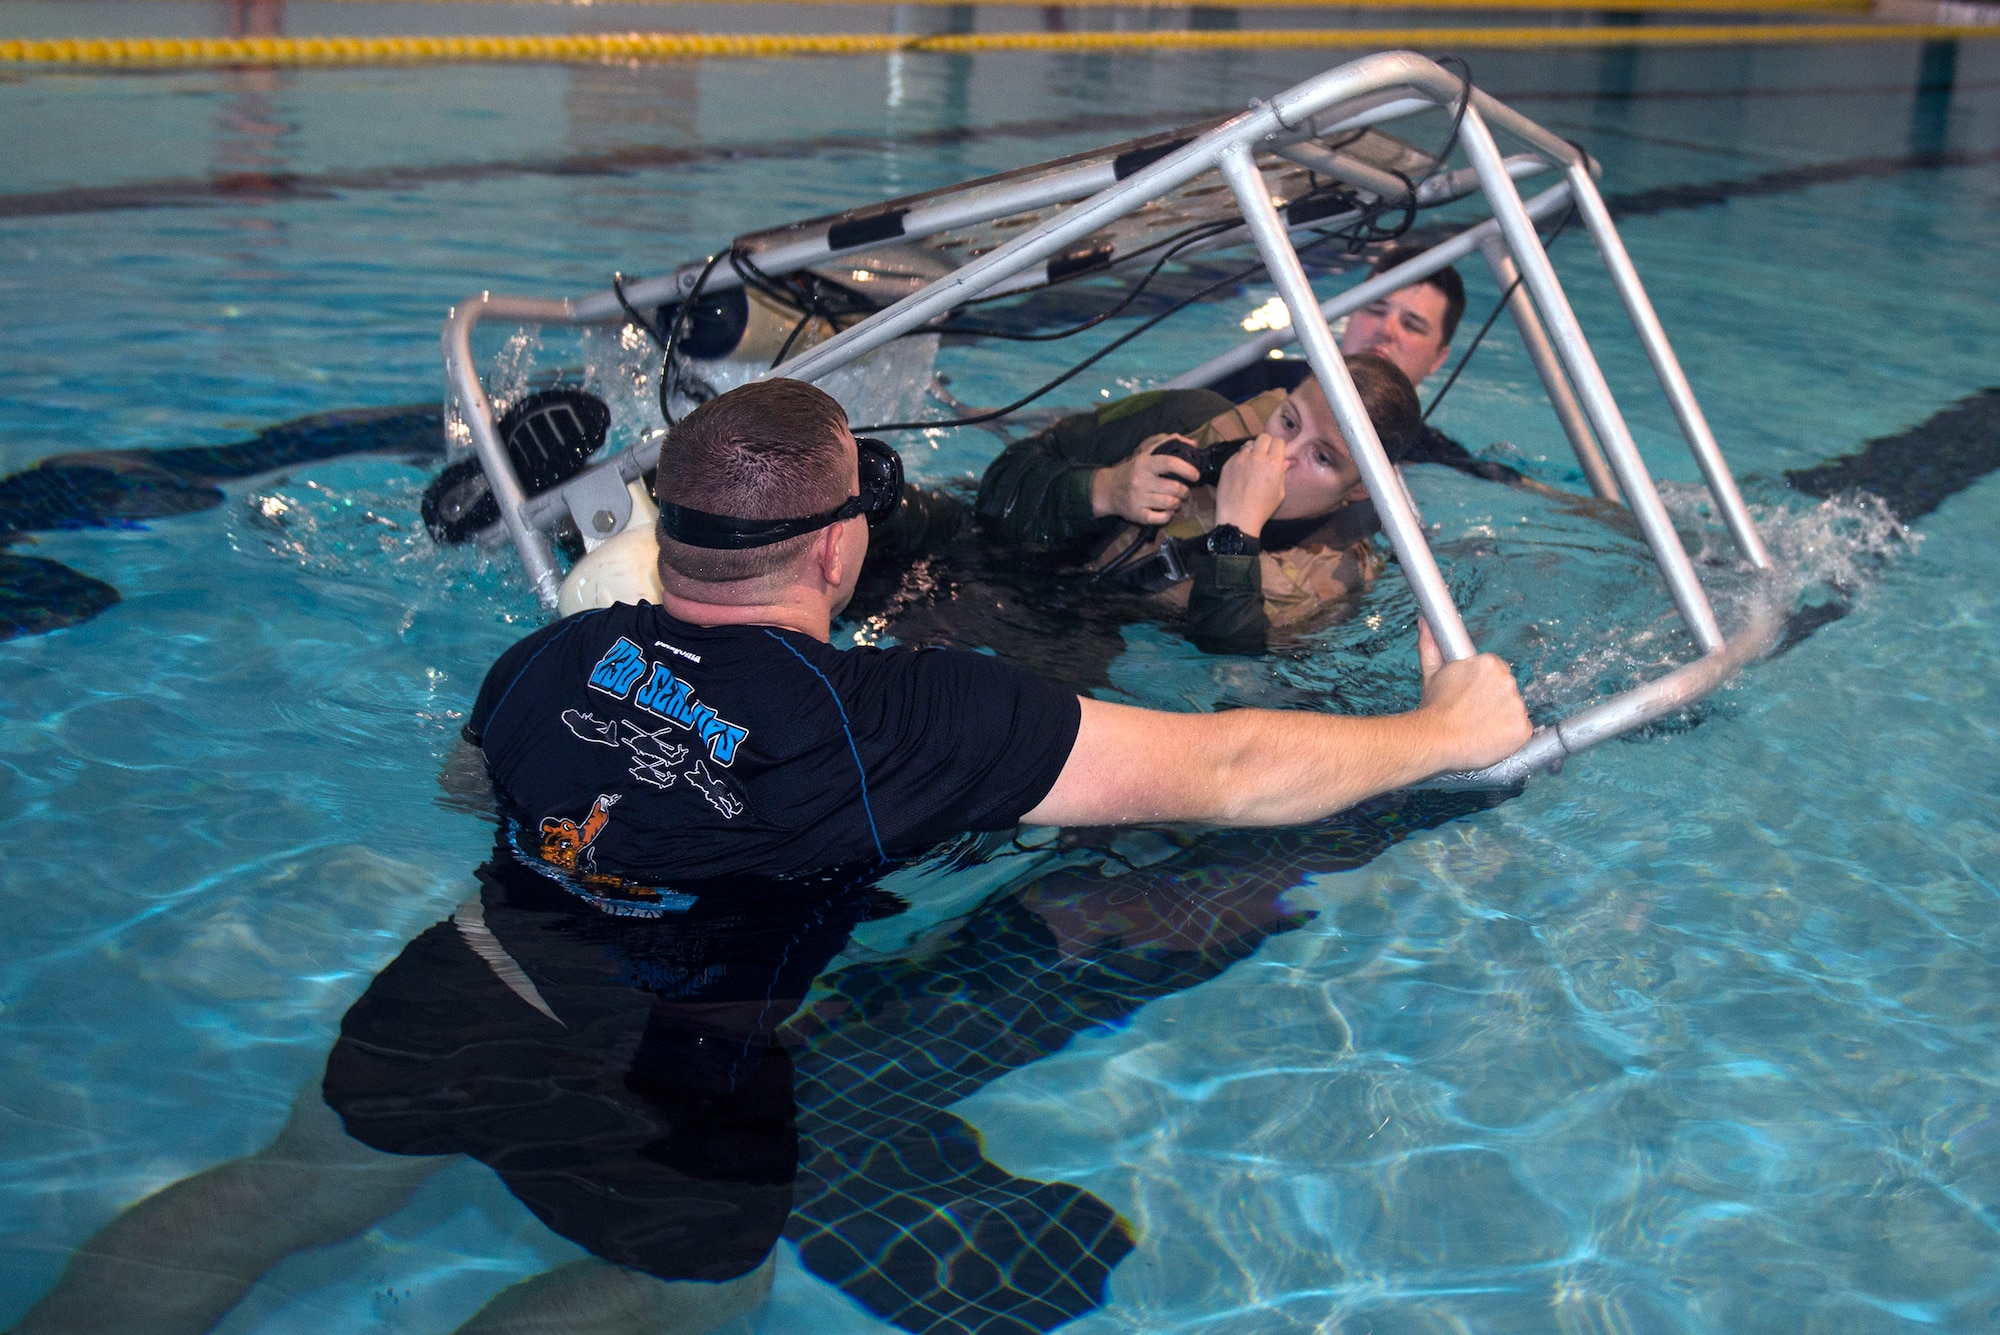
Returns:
(1363,93)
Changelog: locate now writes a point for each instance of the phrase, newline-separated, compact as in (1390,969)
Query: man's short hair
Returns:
(1445,280)
(772,449)
(1391,401)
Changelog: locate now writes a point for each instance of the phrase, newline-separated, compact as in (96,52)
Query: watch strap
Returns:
(1229,540)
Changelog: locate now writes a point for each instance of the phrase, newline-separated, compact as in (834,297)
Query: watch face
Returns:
(1225,540)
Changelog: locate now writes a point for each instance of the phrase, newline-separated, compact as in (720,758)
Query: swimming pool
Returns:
(1695,1036)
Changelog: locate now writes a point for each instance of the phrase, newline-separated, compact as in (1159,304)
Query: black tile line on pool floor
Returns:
(897,1203)
(275,187)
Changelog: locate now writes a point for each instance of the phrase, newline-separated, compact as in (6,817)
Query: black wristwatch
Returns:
(1229,540)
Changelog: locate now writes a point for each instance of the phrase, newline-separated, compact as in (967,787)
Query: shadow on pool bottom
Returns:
(651,1103)
(896,1203)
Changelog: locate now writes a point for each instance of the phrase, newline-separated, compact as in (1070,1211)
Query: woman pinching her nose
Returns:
(1252,486)
(1280,540)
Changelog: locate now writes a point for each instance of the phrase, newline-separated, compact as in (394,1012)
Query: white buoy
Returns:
(624,568)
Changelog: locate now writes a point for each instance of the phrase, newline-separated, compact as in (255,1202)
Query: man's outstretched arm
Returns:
(1281,767)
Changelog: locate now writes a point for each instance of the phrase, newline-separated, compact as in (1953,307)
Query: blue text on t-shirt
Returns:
(665,696)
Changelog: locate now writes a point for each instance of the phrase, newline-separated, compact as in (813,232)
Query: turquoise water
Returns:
(1695,1036)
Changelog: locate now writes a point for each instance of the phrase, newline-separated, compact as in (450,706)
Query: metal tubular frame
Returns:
(1653,337)
(1539,276)
(1561,397)
(529,541)
(1363,92)
(1399,517)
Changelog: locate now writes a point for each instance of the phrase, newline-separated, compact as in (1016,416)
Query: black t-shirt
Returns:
(636,753)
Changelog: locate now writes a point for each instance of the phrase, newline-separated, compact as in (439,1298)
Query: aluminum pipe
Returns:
(1622,713)
(1653,337)
(1392,503)
(1561,397)
(536,558)
(1581,364)
(1354,80)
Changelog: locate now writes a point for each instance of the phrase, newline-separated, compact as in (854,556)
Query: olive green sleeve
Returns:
(1225,611)
(1038,490)
(921,524)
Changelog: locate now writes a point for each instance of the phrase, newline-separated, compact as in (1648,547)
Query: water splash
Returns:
(1825,555)
(1567,591)
(357,523)
(510,375)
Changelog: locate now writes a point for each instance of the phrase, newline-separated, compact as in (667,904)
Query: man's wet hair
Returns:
(1391,401)
(772,449)
(1445,280)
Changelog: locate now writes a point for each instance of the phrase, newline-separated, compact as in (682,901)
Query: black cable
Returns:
(668,379)
(1499,305)
(1457,117)
(1192,235)
(1372,235)
(1117,563)
(1073,371)
(1365,232)
(618,291)
(756,279)
(976,419)
(799,327)
(1473,347)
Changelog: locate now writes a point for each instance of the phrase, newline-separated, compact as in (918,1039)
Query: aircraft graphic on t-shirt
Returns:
(653,758)
(715,790)
(587,728)
(653,755)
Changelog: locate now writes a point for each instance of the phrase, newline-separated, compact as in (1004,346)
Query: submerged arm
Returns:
(1038,490)
(1225,611)
(923,522)
(1281,767)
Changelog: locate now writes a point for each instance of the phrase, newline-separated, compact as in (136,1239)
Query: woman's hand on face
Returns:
(1252,486)
(1146,487)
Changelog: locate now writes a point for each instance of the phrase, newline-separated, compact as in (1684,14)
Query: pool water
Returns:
(1695,1036)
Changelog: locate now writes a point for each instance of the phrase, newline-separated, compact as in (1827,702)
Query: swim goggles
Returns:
(881,488)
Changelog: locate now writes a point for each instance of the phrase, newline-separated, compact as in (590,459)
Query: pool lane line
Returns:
(592,48)
(269,187)
(281,187)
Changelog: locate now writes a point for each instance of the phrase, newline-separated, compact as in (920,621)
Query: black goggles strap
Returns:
(881,488)
(699,528)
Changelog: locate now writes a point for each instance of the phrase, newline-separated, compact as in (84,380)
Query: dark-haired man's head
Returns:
(773,449)
(1412,326)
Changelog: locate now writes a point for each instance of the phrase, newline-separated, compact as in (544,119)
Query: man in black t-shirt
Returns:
(634,750)
(695,799)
